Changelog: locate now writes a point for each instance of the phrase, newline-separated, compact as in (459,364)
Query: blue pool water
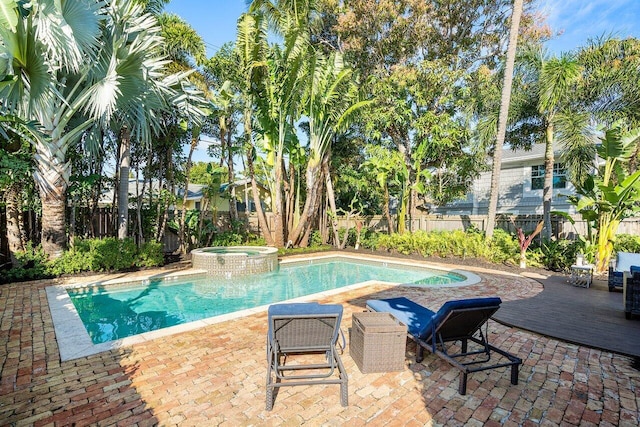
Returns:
(114,312)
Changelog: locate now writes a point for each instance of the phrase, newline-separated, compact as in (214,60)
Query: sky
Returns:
(577,21)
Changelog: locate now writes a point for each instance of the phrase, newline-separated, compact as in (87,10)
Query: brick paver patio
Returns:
(216,375)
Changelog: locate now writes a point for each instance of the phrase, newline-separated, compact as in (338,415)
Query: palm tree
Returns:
(278,101)
(101,66)
(50,61)
(330,103)
(552,81)
(185,48)
(504,113)
(250,49)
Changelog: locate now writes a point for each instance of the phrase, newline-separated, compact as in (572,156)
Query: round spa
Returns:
(230,261)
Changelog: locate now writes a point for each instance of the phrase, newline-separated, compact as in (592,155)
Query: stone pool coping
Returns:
(74,341)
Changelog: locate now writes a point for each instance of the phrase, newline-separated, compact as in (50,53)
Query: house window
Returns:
(559,176)
(198,205)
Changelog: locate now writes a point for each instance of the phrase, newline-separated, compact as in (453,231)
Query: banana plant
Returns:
(610,194)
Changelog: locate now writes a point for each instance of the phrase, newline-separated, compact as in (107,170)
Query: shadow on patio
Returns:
(38,389)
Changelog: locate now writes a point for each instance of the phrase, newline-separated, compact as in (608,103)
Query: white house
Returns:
(521,186)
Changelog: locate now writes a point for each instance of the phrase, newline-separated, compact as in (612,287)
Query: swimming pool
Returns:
(114,312)
(120,312)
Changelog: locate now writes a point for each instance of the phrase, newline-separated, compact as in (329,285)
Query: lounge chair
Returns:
(632,294)
(460,320)
(304,332)
(624,261)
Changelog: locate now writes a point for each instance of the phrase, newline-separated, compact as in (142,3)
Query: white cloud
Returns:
(582,20)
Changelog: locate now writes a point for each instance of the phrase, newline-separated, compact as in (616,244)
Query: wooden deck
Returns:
(592,317)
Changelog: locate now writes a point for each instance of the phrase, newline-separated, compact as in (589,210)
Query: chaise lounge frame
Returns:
(301,329)
(460,320)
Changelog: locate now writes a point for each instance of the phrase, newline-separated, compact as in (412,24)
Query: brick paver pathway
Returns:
(216,376)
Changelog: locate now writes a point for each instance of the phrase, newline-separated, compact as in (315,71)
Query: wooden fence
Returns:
(562,228)
(103,225)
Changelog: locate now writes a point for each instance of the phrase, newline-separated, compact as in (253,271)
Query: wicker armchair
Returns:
(632,294)
(624,261)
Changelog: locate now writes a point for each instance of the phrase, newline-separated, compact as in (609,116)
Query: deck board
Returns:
(592,316)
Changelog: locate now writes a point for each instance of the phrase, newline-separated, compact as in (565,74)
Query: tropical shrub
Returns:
(150,254)
(109,254)
(369,239)
(504,248)
(627,243)
(560,255)
(315,239)
(33,266)
(435,243)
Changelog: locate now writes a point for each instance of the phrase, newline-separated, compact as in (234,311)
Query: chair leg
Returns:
(269,398)
(419,353)
(462,386)
(269,405)
(344,394)
(514,374)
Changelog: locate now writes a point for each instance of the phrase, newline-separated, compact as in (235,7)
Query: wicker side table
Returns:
(377,342)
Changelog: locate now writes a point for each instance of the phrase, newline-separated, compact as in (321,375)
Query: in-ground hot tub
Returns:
(230,261)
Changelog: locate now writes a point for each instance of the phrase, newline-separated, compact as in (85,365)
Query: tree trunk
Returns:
(278,214)
(233,206)
(185,196)
(292,208)
(14,235)
(313,184)
(332,203)
(547,193)
(51,177)
(262,220)
(54,238)
(503,117)
(386,211)
(316,207)
(123,185)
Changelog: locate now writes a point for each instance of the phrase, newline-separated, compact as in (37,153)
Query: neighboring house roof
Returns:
(194,192)
(510,156)
(242,183)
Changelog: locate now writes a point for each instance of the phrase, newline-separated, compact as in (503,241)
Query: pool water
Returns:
(114,312)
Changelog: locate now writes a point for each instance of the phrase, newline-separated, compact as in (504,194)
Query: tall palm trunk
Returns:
(331,197)
(14,226)
(123,184)
(387,211)
(547,193)
(505,101)
(279,212)
(51,178)
(233,206)
(262,220)
(183,214)
(313,181)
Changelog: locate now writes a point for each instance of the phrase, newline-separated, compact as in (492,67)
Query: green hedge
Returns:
(109,254)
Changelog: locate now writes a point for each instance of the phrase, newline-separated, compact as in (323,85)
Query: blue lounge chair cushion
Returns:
(420,320)
(414,315)
(305,308)
(624,261)
(634,269)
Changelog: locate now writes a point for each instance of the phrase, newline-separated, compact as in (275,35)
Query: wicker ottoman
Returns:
(377,342)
